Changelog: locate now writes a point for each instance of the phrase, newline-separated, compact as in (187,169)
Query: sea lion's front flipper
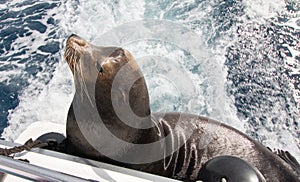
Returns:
(291,160)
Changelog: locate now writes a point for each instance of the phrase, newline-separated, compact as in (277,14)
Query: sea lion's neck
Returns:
(116,97)
(123,105)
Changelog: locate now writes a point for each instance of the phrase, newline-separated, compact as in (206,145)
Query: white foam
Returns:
(278,135)
(5,75)
(173,86)
(262,9)
(51,104)
(293,21)
(90,19)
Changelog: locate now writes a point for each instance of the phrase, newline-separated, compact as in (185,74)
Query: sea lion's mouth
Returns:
(74,49)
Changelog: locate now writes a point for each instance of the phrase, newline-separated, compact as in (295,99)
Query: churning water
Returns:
(236,61)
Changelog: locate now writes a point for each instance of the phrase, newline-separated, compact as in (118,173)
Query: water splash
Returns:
(256,56)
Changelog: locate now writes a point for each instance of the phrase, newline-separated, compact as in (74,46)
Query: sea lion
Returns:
(110,120)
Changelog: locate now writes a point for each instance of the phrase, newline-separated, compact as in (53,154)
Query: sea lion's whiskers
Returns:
(72,56)
(68,53)
(73,66)
(80,79)
(83,84)
(73,62)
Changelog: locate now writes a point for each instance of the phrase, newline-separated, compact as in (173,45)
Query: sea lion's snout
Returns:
(75,39)
(75,47)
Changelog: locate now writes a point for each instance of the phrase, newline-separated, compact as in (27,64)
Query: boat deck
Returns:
(46,165)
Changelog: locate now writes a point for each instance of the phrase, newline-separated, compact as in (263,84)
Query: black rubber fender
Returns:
(229,169)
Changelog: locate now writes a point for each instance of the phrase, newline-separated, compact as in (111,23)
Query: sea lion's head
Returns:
(104,61)
(110,75)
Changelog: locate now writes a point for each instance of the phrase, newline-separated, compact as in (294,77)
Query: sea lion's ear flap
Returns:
(291,160)
(129,57)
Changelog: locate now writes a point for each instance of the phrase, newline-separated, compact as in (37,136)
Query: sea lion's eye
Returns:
(115,60)
(99,67)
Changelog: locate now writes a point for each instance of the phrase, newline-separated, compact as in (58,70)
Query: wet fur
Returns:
(183,164)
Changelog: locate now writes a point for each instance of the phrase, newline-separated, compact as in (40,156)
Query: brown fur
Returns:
(204,138)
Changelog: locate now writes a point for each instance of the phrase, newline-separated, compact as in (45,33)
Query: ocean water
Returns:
(234,61)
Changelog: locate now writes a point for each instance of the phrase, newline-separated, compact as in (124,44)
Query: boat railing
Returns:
(36,172)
